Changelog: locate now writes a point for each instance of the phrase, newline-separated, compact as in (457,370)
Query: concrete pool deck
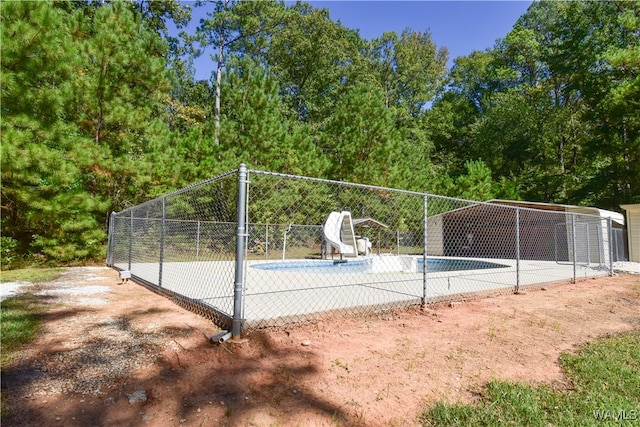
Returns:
(279,296)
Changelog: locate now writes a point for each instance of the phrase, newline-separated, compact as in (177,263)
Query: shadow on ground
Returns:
(113,371)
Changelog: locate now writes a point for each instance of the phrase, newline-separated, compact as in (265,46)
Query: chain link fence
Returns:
(619,251)
(252,248)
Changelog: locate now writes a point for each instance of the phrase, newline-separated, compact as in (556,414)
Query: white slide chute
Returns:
(338,234)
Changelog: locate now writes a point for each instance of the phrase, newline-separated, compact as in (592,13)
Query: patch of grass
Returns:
(492,331)
(605,387)
(19,323)
(342,365)
(32,275)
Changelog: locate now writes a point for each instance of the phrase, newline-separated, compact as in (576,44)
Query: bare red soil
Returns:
(130,357)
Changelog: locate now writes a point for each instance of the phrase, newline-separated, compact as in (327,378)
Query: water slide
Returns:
(338,233)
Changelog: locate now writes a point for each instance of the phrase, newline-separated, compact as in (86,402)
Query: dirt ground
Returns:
(114,354)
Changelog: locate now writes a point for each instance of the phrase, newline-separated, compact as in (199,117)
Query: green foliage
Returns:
(44,204)
(409,67)
(606,371)
(542,108)
(19,323)
(360,137)
(312,56)
(253,126)
(31,275)
(8,252)
(605,386)
(478,184)
(82,123)
(101,110)
(617,109)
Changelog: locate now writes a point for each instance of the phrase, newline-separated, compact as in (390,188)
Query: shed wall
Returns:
(633,230)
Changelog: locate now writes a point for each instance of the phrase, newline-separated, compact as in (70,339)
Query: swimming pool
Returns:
(369,265)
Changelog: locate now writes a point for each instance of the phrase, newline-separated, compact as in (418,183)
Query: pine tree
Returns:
(82,128)
(254,128)
(44,202)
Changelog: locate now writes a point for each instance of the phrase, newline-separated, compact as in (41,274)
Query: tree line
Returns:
(101,109)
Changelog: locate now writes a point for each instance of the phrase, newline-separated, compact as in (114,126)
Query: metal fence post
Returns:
(198,241)
(588,247)
(599,242)
(284,243)
(424,251)
(162,224)
(130,240)
(110,239)
(238,292)
(573,245)
(517,250)
(610,227)
(266,241)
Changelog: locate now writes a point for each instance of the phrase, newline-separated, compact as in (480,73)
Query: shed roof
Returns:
(483,208)
(589,210)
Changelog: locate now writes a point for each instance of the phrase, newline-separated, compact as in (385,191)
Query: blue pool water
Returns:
(364,266)
(335,267)
(456,264)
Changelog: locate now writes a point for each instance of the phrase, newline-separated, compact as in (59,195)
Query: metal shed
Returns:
(633,230)
(486,231)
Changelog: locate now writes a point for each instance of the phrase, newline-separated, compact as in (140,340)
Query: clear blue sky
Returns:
(461,26)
